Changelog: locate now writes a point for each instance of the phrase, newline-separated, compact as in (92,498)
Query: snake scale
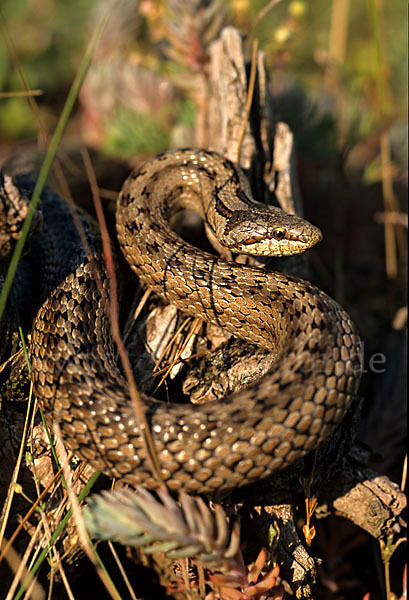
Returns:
(221,445)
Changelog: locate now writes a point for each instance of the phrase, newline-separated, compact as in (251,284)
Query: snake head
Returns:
(271,232)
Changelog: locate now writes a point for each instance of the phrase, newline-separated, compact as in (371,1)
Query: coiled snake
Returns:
(252,433)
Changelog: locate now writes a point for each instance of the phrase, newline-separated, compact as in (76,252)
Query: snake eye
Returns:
(279,233)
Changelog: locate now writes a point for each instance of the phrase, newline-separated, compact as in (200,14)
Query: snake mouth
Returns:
(279,242)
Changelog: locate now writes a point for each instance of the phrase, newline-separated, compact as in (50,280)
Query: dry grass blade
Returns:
(114,319)
(7,504)
(80,526)
(23,94)
(43,554)
(122,571)
(30,512)
(404,473)
(250,93)
(27,91)
(264,11)
(16,565)
(194,329)
(393,231)
(394,237)
(337,43)
(134,314)
(21,572)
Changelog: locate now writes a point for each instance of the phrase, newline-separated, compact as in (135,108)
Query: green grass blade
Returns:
(84,492)
(42,177)
(48,160)
(25,350)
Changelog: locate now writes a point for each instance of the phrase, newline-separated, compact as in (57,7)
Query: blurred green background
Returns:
(349,57)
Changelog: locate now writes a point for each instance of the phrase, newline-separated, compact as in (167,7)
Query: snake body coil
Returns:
(252,433)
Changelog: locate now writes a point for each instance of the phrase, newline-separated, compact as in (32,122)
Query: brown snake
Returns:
(219,445)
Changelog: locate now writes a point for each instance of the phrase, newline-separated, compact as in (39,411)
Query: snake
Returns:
(248,435)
